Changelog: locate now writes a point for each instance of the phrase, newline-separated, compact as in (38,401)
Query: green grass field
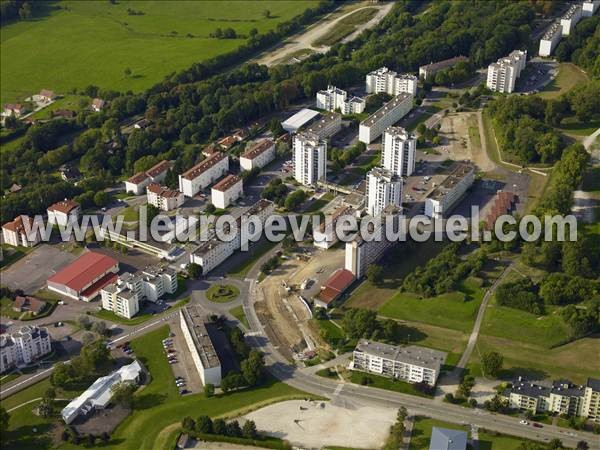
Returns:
(222,293)
(345,27)
(257,250)
(238,313)
(569,75)
(388,384)
(83,43)
(455,310)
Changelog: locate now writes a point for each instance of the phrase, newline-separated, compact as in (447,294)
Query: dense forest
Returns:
(582,47)
(195,106)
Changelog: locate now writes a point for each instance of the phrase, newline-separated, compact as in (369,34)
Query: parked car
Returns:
(538,425)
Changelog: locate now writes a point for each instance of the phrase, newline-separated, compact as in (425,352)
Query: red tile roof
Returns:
(227,183)
(159,168)
(84,270)
(138,178)
(258,149)
(335,285)
(64,206)
(203,166)
(28,303)
(17,225)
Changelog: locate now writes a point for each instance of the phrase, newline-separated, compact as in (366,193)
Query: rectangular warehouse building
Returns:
(200,345)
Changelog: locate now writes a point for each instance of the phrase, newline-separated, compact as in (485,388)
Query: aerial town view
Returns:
(300,224)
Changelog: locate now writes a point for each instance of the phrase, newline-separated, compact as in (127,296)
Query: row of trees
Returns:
(582,46)
(251,365)
(93,361)
(205,425)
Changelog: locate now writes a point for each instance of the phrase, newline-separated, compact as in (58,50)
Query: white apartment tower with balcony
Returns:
(384,188)
(399,151)
(502,75)
(334,99)
(310,158)
(390,82)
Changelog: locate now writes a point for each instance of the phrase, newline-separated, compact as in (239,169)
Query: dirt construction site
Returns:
(279,305)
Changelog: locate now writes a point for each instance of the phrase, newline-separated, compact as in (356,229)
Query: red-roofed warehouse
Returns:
(84,277)
(335,286)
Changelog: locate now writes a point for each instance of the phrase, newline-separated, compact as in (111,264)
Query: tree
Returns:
(122,394)
(209,390)
(220,427)
(188,424)
(99,327)
(204,424)
(233,429)
(87,338)
(84,322)
(252,368)
(194,270)
(4,420)
(374,273)
(555,444)
(249,429)
(582,445)
(127,72)
(492,363)
(210,209)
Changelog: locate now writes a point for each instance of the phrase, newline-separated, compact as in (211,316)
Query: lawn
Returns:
(388,384)
(421,432)
(455,310)
(572,361)
(12,254)
(329,331)
(318,204)
(238,313)
(569,75)
(345,27)
(257,250)
(222,293)
(81,43)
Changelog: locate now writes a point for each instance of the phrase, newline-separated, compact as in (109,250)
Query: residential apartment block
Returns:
(429,70)
(227,191)
(124,296)
(445,196)
(570,18)
(325,126)
(502,75)
(399,151)
(23,347)
(15,233)
(310,158)
(203,174)
(334,99)
(258,155)
(550,39)
(156,174)
(390,82)
(390,113)
(360,254)
(410,363)
(384,189)
(561,397)
(213,251)
(64,212)
(204,355)
(325,236)
(589,7)
(164,198)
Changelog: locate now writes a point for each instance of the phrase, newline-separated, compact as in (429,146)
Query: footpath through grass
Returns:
(345,27)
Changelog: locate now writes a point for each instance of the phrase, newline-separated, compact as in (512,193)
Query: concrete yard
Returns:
(315,424)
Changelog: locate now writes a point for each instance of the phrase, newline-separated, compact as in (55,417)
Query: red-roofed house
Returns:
(226,191)
(98,104)
(155,174)
(84,277)
(163,197)
(334,287)
(258,155)
(28,304)
(64,212)
(14,233)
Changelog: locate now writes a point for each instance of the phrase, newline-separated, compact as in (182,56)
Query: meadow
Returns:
(81,43)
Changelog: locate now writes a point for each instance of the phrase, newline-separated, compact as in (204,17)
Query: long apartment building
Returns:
(334,99)
(200,345)
(502,75)
(399,151)
(203,174)
(390,113)
(164,198)
(15,233)
(310,158)
(550,39)
(384,189)
(390,82)
(570,19)
(213,251)
(325,126)
(360,253)
(23,347)
(445,196)
(227,191)
(561,397)
(589,7)
(410,363)
(123,297)
(258,155)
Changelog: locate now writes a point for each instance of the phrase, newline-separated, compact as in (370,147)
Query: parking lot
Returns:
(132,261)
(184,368)
(31,272)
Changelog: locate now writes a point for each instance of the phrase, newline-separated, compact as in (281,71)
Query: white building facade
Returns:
(445,196)
(326,125)
(23,347)
(203,174)
(399,151)
(258,155)
(589,7)
(164,198)
(384,189)
(390,82)
(15,233)
(550,39)
(227,191)
(386,116)
(334,99)
(64,212)
(570,19)
(310,158)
